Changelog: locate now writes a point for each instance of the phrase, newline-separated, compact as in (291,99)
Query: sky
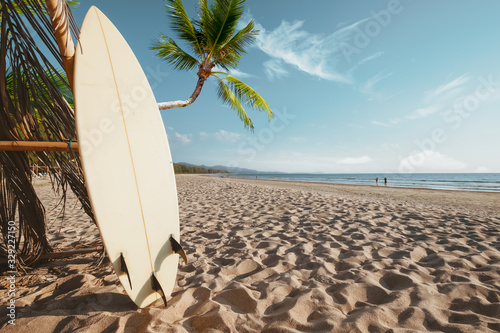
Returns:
(363,86)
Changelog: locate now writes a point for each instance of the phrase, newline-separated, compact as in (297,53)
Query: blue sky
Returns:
(357,86)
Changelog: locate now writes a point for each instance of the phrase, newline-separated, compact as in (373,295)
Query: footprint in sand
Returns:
(393,281)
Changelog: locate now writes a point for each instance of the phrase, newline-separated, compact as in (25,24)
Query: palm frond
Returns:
(72,4)
(249,96)
(9,79)
(168,50)
(31,5)
(230,61)
(229,98)
(34,105)
(61,81)
(231,52)
(221,45)
(219,23)
(181,24)
(58,77)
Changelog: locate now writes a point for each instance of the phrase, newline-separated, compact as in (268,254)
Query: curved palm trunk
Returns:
(204,72)
(190,100)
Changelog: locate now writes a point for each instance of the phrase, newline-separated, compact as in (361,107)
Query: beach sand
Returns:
(268,256)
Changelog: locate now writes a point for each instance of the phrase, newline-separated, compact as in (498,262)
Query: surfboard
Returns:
(126,162)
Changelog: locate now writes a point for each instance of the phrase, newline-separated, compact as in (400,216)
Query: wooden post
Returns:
(60,25)
(37,146)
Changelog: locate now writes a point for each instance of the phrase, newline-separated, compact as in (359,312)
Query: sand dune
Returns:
(285,257)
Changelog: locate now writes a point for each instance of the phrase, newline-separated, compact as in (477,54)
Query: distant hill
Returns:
(230,169)
(181,168)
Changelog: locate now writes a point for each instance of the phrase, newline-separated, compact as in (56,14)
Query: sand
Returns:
(270,256)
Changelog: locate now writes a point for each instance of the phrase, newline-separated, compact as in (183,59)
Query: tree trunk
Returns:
(60,25)
(190,100)
(204,72)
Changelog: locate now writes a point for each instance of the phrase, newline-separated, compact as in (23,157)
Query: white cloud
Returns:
(222,135)
(443,94)
(449,89)
(239,74)
(430,161)
(417,114)
(434,101)
(373,56)
(395,121)
(227,136)
(368,87)
(482,169)
(378,123)
(355,160)
(183,138)
(376,79)
(298,139)
(369,58)
(424,112)
(390,146)
(315,54)
(274,69)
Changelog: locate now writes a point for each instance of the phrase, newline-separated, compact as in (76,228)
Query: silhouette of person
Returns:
(376,180)
(385,181)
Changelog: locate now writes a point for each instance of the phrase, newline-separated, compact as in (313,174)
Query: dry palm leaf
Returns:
(35,105)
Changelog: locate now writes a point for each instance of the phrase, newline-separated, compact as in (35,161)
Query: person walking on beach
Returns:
(376,180)
(385,181)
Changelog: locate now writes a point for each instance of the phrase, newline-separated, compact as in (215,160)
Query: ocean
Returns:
(487,182)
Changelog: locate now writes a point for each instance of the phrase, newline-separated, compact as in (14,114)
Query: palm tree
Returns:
(34,106)
(216,44)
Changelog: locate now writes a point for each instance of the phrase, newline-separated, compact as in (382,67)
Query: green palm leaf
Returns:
(216,41)
(230,61)
(168,50)
(72,4)
(32,6)
(219,22)
(182,25)
(229,98)
(249,96)
(231,52)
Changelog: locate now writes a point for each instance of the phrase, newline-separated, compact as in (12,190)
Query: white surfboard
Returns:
(126,162)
